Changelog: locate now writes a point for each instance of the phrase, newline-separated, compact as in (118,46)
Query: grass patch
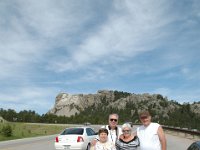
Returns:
(23,130)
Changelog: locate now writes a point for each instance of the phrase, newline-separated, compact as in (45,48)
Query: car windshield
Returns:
(78,131)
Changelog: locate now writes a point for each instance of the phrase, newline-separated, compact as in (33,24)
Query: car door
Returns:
(91,134)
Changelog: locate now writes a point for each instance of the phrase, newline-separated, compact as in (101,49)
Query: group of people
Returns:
(148,136)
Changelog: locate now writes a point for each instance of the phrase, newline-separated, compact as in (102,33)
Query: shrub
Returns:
(6,130)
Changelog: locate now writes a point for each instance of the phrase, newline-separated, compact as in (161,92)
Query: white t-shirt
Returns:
(104,146)
(113,135)
(148,137)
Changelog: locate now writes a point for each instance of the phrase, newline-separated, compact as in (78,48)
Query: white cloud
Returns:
(163,91)
(52,19)
(31,30)
(189,95)
(29,97)
(128,31)
(60,43)
(191,73)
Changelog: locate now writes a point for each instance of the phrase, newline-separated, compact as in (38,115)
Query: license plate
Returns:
(66,147)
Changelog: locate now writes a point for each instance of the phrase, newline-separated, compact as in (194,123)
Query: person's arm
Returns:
(93,142)
(162,138)
(135,133)
(116,145)
(121,136)
(113,147)
(92,148)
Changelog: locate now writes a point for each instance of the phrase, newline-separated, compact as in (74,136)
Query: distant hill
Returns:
(96,107)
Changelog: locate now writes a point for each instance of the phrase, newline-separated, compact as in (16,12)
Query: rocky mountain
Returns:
(195,107)
(69,105)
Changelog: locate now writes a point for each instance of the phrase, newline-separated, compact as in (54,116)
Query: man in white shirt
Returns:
(151,135)
(113,130)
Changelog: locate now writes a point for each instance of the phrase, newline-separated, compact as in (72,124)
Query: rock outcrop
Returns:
(68,104)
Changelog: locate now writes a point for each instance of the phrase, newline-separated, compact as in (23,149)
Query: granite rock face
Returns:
(68,104)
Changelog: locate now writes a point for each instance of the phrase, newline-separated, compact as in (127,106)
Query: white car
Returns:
(76,138)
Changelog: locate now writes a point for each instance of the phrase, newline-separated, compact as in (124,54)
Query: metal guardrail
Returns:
(183,130)
(193,132)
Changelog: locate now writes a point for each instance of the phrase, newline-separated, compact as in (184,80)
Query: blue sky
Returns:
(51,46)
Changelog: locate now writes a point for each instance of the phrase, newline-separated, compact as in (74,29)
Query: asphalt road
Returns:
(37,143)
(47,143)
(178,143)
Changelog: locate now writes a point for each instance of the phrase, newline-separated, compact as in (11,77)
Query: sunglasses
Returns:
(143,117)
(115,120)
(126,131)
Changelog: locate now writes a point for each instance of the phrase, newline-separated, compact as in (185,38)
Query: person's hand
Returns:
(121,136)
(134,133)
(93,142)
(92,148)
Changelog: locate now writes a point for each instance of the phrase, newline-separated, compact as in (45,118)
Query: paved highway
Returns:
(37,143)
(177,143)
(47,142)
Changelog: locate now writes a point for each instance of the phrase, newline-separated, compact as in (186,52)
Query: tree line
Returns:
(181,117)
